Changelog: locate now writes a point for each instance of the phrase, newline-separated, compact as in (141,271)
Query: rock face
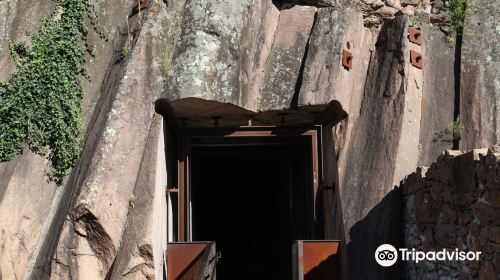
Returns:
(259,34)
(15,27)
(285,58)
(324,79)
(107,221)
(206,59)
(24,179)
(454,204)
(252,59)
(368,180)
(22,223)
(93,233)
(480,80)
(438,95)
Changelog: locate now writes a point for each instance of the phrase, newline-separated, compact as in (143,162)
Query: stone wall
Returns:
(454,204)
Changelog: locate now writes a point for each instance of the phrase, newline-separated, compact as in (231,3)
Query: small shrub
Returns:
(125,50)
(456,14)
(455,127)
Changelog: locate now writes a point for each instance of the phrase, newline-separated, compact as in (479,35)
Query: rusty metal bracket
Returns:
(416,59)
(347,59)
(415,35)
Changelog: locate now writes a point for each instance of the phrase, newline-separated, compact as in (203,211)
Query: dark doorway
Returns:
(253,197)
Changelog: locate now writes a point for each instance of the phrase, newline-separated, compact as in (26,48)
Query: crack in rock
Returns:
(99,241)
(147,266)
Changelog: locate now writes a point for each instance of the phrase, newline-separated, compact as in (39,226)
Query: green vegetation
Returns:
(125,50)
(456,14)
(455,127)
(19,52)
(40,106)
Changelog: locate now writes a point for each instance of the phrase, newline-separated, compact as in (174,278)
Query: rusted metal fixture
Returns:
(347,59)
(193,260)
(316,260)
(415,35)
(416,59)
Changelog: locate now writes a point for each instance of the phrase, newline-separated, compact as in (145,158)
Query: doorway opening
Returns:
(253,195)
(248,183)
(245,199)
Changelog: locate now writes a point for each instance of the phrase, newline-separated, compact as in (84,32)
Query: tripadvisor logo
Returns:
(386,255)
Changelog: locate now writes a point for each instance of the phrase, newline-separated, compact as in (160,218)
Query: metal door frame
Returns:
(185,138)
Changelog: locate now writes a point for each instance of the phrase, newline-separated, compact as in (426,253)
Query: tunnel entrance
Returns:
(258,187)
(252,191)
(251,197)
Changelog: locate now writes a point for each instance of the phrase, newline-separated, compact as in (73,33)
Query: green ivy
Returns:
(40,106)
